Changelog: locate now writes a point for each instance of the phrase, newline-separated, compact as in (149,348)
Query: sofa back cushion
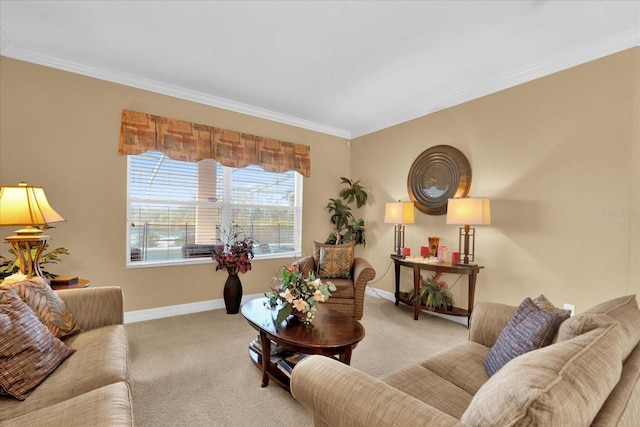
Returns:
(561,384)
(622,311)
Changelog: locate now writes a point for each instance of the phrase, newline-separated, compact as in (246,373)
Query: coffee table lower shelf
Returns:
(275,374)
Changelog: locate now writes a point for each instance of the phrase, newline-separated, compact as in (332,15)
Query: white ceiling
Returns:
(345,68)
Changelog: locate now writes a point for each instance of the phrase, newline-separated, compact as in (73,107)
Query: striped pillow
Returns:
(529,328)
(28,351)
(48,306)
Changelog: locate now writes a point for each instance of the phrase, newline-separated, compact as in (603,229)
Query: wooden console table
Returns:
(442,267)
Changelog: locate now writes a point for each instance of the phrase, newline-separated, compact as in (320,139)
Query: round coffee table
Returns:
(331,334)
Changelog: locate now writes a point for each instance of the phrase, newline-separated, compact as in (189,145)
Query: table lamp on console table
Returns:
(468,211)
(399,213)
(25,205)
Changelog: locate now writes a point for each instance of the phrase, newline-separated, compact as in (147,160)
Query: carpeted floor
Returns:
(194,370)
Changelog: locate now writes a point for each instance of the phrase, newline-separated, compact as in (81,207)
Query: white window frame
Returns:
(226,208)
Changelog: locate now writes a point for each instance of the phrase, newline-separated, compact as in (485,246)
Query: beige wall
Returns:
(553,155)
(61,130)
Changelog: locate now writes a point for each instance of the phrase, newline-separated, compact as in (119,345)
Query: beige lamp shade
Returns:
(399,213)
(469,211)
(25,205)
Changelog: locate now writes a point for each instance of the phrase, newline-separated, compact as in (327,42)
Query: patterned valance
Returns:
(180,140)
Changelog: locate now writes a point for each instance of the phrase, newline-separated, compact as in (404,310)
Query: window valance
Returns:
(180,140)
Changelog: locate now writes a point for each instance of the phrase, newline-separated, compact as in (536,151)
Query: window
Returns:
(177,210)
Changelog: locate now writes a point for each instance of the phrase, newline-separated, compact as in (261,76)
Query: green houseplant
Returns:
(434,293)
(9,267)
(346,227)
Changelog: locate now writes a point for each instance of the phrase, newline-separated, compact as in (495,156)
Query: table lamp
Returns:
(399,213)
(468,211)
(25,205)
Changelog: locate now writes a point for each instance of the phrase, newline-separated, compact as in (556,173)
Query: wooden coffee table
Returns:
(331,334)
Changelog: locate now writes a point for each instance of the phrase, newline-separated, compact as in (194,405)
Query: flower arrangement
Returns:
(297,295)
(233,255)
(434,293)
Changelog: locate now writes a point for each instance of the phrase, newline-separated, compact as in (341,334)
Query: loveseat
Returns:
(588,375)
(337,264)
(90,387)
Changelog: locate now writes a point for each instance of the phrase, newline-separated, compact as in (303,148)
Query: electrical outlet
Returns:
(570,307)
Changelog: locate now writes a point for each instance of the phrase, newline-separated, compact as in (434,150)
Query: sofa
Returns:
(587,372)
(92,385)
(337,264)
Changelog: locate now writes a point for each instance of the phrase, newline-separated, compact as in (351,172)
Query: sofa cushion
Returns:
(344,289)
(462,365)
(622,407)
(562,384)
(105,406)
(623,311)
(427,387)
(335,263)
(50,308)
(28,350)
(101,359)
(529,328)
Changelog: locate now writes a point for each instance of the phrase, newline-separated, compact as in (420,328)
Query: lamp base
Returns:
(28,249)
(463,264)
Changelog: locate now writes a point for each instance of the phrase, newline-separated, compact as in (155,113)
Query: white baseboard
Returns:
(216,304)
(178,310)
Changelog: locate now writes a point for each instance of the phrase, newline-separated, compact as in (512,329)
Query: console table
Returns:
(470,270)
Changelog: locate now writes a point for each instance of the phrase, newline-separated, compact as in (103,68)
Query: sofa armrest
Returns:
(306,265)
(95,307)
(488,319)
(339,395)
(362,273)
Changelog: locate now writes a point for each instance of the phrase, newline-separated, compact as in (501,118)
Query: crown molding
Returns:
(165,89)
(584,54)
(571,59)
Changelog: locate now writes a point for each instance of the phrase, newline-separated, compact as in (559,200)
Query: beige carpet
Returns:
(194,370)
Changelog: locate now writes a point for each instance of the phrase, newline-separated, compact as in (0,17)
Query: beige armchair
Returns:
(349,296)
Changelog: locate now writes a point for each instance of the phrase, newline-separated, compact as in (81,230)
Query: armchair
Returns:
(349,296)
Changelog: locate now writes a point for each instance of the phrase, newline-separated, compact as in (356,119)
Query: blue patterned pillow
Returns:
(529,328)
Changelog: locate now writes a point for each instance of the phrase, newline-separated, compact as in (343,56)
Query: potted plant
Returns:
(434,293)
(346,227)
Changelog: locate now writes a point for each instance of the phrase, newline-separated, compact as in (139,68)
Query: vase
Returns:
(298,316)
(232,293)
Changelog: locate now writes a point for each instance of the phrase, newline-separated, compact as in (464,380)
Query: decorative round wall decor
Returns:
(440,173)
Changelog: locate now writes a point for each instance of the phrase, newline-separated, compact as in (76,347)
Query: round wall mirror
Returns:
(440,173)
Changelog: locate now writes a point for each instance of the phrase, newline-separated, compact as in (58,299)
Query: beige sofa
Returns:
(589,375)
(92,387)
